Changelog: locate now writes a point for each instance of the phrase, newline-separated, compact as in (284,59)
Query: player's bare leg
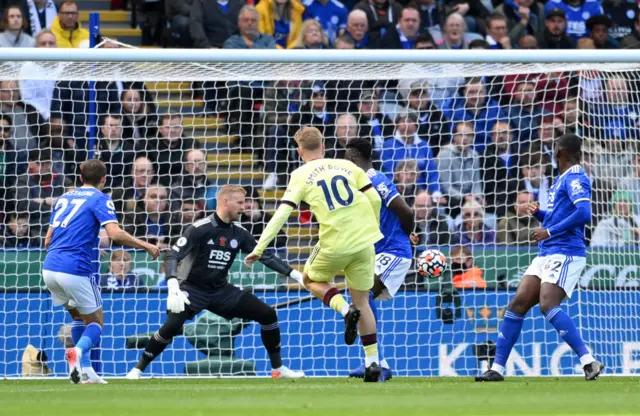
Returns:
(368,334)
(78,356)
(526,297)
(551,296)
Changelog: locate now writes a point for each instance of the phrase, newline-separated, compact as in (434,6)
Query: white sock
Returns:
(586,359)
(370,360)
(498,368)
(279,368)
(344,310)
(384,363)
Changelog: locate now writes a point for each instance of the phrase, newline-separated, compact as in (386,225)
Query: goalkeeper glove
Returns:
(297,276)
(176,299)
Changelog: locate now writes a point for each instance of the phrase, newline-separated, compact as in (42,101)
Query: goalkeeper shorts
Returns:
(358,267)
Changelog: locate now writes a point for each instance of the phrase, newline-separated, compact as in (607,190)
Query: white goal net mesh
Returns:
(467,146)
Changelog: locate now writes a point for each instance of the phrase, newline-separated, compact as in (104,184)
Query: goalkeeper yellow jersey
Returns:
(334,189)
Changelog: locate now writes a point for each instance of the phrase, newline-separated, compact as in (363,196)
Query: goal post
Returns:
(466,136)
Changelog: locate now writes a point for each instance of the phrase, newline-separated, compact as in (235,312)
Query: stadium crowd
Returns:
(467,153)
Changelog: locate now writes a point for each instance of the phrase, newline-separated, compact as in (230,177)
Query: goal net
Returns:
(466,144)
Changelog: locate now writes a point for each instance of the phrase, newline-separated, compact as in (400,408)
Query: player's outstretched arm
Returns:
(120,236)
(270,232)
(269,259)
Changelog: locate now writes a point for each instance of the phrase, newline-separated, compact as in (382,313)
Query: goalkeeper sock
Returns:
(370,344)
(335,301)
(90,337)
(77,329)
(569,333)
(270,335)
(507,337)
(154,347)
(374,309)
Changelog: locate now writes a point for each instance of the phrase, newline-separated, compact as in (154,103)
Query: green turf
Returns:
(326,397)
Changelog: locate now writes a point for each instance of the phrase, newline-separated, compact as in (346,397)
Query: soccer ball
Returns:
(432,264)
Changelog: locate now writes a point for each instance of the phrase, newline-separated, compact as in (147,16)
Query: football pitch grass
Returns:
(324,396)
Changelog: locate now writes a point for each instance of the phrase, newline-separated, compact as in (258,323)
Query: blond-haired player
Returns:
(347,207)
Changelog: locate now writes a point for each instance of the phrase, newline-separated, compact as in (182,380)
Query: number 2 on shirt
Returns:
(61,206)
(332,194)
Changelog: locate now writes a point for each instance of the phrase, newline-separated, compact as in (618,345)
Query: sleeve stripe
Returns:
(291,204)
(366,187)
(580,200)
(392,198)
(108,222)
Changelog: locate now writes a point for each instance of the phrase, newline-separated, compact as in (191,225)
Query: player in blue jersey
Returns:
(577,12)
(554,273)
(69,269)
(393,252)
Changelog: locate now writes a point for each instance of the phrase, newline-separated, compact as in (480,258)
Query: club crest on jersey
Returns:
(383,190)
(223,241)
(576,187)
(234,243)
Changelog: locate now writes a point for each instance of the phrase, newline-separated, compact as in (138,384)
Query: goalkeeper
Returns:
(347,207)
(207,250)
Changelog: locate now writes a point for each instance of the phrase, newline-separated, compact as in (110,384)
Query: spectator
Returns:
(152,220)
(311,36)
(381,15)
(474,12)
(177,13)
(432,227)
(632,183)
(120,276)
(281,19)
(453,33)
(192,211)
(135,186)
(433,125)
(12,162)
(139,119)
(601,187)
(553,89)
(554,35)
(41,15)
(464,274)
(14,25)
(344,42)
(17,233)
(632,41)
(459,167)
(254,219)
(69,33)
(550,129)
(425,41)
(373,125)
(525,112)
(406,144)
(572,120)
(35,92)
(11,105)
(620,229)
(249,36)
(623,15)
(472,229)
(405,179)
(497,37)
(516,227)
(500,169)
(358,30)
(534,179)
(193,182)
(115,152)
(431,18)
(169,149)
(528,42)
(577,12)
(211,23)
(346,128)
(617,118)
(38,188)
(314,112)
(330,14)
(599,32)
(403,36)
(524,17)
(477,108)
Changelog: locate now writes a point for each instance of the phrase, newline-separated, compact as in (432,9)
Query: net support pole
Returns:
(94,32)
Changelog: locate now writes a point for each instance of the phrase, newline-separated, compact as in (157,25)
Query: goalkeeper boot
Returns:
(593,370)
(134,374)
(358,372)
(372,373)
(286,373)
(351,325)
(385,375)
(490,375)
(73,355)
(89,376)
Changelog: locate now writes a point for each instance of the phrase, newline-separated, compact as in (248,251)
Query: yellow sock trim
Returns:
(337,302)
(371,350)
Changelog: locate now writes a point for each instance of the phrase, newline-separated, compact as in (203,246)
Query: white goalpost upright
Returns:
(174,125)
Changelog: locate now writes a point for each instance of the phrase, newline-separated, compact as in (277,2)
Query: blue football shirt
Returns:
(76,220)
(395,240)
(576,16)
(571,187)
(332,16)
